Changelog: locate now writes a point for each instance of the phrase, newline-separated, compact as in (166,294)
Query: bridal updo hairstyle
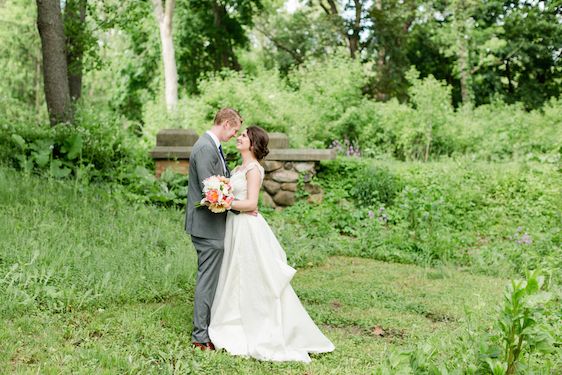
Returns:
(258,141)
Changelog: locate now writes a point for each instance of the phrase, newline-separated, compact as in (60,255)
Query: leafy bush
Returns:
(431,101)
(490,217)
(95,143)
(521,322)
(375,186)
(322,102)
(141,186)
(306,105)
(523,339)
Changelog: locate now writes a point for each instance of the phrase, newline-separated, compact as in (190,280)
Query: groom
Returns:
(207,228)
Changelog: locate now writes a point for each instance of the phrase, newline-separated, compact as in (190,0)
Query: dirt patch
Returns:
(388,333)
(335,304)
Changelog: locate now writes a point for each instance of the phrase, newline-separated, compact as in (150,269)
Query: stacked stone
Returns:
(283,166)
(281,179)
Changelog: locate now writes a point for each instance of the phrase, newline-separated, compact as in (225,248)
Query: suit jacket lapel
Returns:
(212,142)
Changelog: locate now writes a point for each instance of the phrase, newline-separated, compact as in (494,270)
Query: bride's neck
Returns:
(247,158)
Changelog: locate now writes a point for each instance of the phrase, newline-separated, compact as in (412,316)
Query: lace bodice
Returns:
(238,180)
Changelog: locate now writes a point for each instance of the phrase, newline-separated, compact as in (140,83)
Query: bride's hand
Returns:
(253,213)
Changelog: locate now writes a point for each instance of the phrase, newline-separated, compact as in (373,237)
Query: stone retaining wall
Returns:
(281,182)
(283,166)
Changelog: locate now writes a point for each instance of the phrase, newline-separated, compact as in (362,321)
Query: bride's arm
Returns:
(253,179)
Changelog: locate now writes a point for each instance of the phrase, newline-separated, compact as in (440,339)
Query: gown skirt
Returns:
(256,312)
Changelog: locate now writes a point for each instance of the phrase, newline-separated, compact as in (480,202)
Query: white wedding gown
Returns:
(256,312)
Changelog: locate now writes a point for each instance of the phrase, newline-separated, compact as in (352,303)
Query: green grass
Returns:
(92,284)
(348,297)
(64,248)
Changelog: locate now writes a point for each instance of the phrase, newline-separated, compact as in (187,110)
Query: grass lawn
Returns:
(366,307)
(91,284)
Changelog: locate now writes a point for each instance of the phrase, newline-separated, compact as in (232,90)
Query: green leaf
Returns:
(20,141)
(72,146)
(532,285)
(41,158)
(58,170)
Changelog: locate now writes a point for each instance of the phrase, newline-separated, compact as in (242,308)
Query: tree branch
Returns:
(279,45)
(497,62)
(324,7)
(358,10)
(333,7)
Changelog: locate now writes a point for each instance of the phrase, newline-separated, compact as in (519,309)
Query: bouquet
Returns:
(217,194)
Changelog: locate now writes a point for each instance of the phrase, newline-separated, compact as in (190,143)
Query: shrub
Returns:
(97,143)
(463,212)
(375,186)
(306,105)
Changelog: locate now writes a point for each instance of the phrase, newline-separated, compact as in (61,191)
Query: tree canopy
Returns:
(486,51)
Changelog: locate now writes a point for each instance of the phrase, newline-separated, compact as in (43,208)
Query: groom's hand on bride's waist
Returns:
(236,212)
(253,213)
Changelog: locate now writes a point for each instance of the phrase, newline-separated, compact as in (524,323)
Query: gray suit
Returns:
(207,232)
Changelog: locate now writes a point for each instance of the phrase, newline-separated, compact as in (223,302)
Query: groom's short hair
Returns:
(227,114)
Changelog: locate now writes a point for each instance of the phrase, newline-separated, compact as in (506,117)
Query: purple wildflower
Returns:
(346,147)
(525,239)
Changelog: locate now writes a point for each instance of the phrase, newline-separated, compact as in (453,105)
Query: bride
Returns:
(255,312)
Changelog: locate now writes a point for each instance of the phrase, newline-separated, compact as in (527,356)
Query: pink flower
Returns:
(212,196)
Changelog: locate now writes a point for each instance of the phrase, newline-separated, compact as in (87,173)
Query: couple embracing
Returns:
(244,302)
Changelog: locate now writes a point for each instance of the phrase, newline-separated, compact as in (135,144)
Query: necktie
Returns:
(223,158)
(222,155)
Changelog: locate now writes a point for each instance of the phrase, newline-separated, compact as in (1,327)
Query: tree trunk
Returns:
(461,15)
(226,56)
(164,19)
(37,80)
(464,72)
(55,72)
(74,19)
(510,88)
(332,11)
(381,61)
(356,29)
(381,54)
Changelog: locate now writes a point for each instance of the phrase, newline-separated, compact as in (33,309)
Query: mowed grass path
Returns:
(90,284)
(367,308)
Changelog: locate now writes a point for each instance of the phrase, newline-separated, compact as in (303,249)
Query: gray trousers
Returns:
(209,260)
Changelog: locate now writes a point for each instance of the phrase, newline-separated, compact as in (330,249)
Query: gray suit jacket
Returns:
(204,161)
